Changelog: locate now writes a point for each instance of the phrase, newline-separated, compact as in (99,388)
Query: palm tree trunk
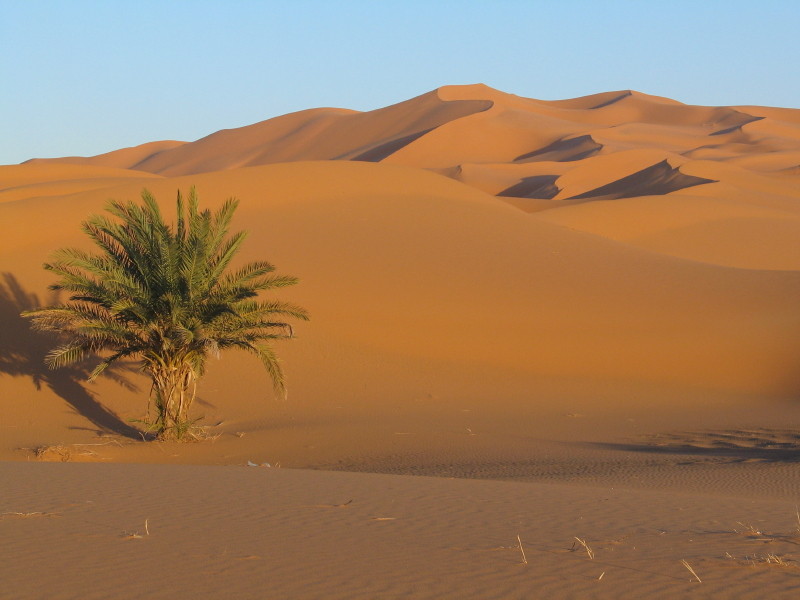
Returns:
(173,400)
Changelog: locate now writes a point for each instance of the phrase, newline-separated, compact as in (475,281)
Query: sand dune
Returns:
(594,297)
(396,261)
(26,181)
(607,145)
(454,125)
(126,158)
(312,135)
(620,277)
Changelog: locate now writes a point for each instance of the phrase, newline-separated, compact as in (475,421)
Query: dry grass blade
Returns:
(137,536)
(68,452)
(522,551)
(589,551)
(27,515)
(749,529)
(797,515)
(769,559)
(108,443)
(691,570)
(61,452)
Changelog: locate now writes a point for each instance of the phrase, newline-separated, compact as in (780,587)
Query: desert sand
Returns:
(545,319)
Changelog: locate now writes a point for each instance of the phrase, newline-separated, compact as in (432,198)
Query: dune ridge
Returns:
(126,158)
(455,126)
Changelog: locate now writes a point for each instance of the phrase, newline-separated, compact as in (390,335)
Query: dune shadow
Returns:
(542,187)
(614,100)
(730,446)
(22,353)
(740,120)
(656,180)
(381,151)
(563,150)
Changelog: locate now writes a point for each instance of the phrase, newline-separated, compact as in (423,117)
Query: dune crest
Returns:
(126,158)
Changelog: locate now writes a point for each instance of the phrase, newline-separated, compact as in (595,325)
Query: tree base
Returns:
(183,432)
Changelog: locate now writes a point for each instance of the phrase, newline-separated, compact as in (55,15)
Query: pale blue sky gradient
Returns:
(86,77)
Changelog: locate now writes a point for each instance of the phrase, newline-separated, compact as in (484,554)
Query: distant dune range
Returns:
(542,155)
(461,252)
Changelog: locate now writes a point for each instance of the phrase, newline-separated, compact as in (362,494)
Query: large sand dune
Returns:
(540,155)
(440,311)
(456,126)
(598,292)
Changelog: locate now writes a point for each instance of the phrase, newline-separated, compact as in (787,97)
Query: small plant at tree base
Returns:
(165,295)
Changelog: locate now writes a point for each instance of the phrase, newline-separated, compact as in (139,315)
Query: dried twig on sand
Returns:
(589,551)
(522,551)
(691,570)
(27,515)
(137,536)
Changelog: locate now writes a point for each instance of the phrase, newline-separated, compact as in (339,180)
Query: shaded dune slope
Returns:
(659,179)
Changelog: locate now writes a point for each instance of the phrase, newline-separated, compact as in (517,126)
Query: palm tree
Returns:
(166,297)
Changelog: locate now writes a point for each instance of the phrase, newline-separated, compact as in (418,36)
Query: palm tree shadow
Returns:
(22,352)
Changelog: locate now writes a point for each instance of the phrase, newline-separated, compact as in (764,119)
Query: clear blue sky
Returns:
(85,77)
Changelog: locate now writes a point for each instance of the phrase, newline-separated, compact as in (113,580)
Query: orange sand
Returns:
(595,298)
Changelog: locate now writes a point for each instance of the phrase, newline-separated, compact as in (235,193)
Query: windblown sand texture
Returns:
(596,298)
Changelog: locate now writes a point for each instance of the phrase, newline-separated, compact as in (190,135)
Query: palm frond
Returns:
(259,309)
(110,360)
(65,355)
